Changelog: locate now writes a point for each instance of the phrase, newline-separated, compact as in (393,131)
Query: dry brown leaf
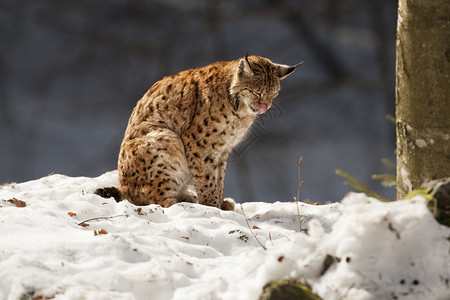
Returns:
(256,227)
(72,214)
(17,202)
(83,224)
(101,231)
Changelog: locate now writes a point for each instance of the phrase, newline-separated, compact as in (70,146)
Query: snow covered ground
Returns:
(58,240)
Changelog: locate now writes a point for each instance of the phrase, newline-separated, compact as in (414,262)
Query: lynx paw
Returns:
(228,204)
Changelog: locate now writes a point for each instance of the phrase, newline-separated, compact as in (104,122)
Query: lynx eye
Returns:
(256,94)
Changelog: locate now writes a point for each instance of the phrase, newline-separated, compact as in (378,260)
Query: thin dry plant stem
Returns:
(101,218)
(300,182)
(270,238)
(248,225)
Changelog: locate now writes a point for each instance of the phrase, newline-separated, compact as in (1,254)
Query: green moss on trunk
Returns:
(287,289)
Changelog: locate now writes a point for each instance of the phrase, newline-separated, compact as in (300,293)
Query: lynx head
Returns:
(256,82)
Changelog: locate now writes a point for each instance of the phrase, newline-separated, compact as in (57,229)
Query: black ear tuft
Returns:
(245,67)
(248,62)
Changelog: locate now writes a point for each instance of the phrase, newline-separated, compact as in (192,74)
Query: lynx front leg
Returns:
(209,177)
(227,203)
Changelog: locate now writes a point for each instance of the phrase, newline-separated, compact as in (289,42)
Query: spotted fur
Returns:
(181,132)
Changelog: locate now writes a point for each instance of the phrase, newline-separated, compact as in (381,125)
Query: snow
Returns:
(376,250)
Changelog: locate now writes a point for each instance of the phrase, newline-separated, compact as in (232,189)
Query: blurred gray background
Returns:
(72,71)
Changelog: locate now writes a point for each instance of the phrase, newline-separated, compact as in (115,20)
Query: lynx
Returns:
(181,132)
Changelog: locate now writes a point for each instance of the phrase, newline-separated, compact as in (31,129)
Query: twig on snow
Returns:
(102,218)
(248,225)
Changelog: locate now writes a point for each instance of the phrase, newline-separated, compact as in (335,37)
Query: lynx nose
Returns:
(262,108)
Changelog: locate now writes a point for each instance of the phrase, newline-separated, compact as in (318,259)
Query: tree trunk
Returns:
(422,92)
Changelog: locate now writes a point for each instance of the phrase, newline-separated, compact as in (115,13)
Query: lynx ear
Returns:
(245,67)
(284,70)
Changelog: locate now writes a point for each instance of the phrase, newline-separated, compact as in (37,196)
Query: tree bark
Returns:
(422,92)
